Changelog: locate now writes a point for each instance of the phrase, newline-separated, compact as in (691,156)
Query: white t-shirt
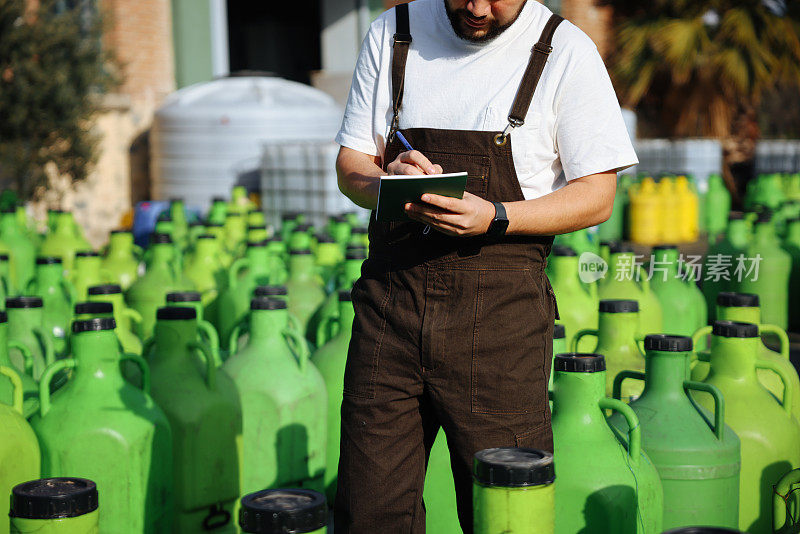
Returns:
(574,126)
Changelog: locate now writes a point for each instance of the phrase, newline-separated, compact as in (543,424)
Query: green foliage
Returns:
(701,62)
(52,70)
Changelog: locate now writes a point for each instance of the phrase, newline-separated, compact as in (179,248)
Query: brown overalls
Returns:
(449,331)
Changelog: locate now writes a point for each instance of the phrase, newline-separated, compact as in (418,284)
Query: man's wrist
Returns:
(499,222)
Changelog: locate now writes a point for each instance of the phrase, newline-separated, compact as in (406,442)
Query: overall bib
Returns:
(449,332)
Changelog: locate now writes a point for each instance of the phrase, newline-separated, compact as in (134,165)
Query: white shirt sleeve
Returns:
(590,132)
(357,124)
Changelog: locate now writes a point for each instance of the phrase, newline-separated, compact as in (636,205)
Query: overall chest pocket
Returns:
(476,166)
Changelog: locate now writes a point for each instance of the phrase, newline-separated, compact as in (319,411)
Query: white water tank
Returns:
(210,136)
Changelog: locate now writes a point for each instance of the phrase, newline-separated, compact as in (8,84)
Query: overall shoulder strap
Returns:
(530,79)
(400,44)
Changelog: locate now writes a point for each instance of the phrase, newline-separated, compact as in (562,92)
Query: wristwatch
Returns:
(499,225)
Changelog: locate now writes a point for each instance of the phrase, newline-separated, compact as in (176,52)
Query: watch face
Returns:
(498,227)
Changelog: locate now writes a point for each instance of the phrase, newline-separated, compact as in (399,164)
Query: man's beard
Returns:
(494,29)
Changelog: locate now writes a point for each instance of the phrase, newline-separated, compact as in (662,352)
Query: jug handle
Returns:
(147,346)
(782,336)
(621,376)
(639,338)
(719,404)
(579,334)
(27,357)
(138,252)
(233,341)
(781,514)
(634,430)
(644,281)
(300,347)
(294,324)
(44,382)
(16,384)
(788,394)
(46,343)
(327,330)
(698,335)
(210,332)
(143,365)
(211,364)
(133,315)
(233,273)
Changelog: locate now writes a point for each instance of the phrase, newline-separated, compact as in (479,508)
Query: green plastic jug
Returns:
(289,220)
(605,484)
(122,259)
(681,311)
(339,228)
(774,269)
(127,319)
(162,276)
(206,420)
(716,206)
(26,329)
(19,449)
(330,359)
(58,297)
(766,190)
(300,238)
(257,233)
(88,271)
(439,492)
(328,312)
(240,201)
(55,506)
(64,241)
(95,423)
(625,280)
(723,256)
(164,225)
(559,346)
(209,335)
(8,388)
(305,286)
(21,249)
(90,310)
(359,236)
(280,511)
(513,491)
(613,228)
(27,225)
(235,231)
(329,258)
(218,231)
(578,240)
(744,307)
(255,269)
(284,404)
(205,270)
(768,432)
(791,244)
(577,302)
(219,208)
(618,339)
(784,504)
(180,227)
(697,455)
(256,217)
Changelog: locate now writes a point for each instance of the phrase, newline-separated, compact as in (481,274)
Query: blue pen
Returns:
(403,140)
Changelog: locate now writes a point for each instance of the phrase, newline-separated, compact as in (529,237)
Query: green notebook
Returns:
(395,191)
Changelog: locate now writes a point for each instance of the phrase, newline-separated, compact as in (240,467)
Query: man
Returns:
(454,314)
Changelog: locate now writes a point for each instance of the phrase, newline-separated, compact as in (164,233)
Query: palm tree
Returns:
(705,64)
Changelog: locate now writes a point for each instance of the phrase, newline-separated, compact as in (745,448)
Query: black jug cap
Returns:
(339,218)
(87,254)
(283,510)
(303,227)
(609,243)
(559,332)
(194,224)
(511,467)
(764,216)
(267,303)
(356,253)
(93,308)
(256,227)
(183,296)
(175,200)
(9,209)
(665,247)
(325,238)
(160,239)
(579,362)
(345,296)
(3,317)
(667,343)
(563,250)
(104,289)
(360,230)
(233,214)
(24,302)
(729,299)
(218,199)
(210,224)
(300,252)
(96,324)
(735,216)
(165,216)
(257,244)
(120,231)
(269,291)
(47,260)
(176,313)
(734,329)
(277,238)
(3,257)
(290,215)
(618,306)
(618,247)
(53,498)
(206,236)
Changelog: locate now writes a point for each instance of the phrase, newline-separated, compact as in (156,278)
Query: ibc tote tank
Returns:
(210,135)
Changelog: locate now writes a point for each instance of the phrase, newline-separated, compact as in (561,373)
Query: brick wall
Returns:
(595,21)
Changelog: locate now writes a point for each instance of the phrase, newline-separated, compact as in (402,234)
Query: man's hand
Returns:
(469,216)
(412,162)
